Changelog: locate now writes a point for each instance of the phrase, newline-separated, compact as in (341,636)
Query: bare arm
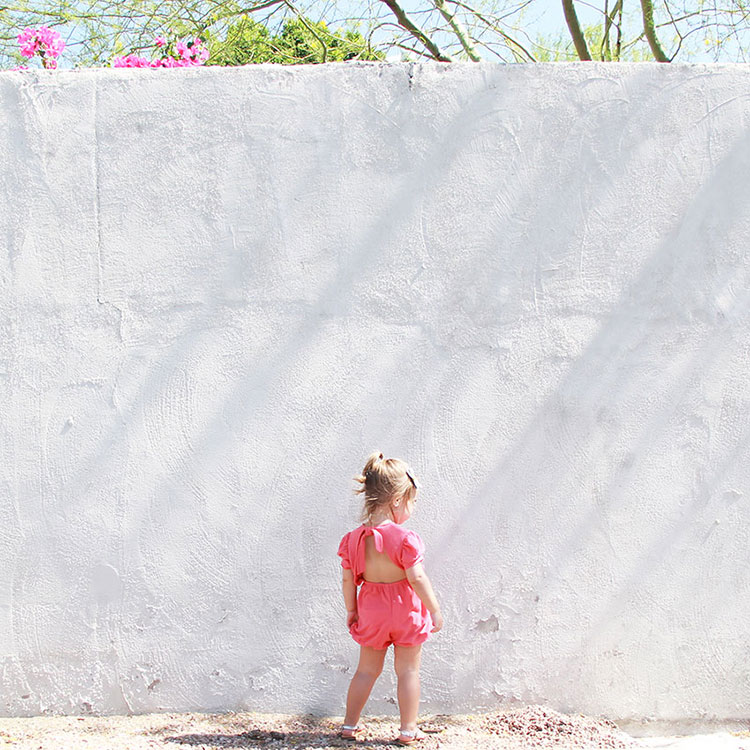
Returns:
(349,589)
(421,584)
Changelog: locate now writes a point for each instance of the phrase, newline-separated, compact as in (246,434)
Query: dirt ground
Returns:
(516,729)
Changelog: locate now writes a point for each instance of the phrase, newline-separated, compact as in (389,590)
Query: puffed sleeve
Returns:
(412,550)
(344,552)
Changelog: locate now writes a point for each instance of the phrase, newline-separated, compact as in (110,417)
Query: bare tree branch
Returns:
(609,21)
(421,53)
(259,6)
(647,7)
(575,30)
(618,43)
(605,53)
(458,30)
(406,23)
(512,43)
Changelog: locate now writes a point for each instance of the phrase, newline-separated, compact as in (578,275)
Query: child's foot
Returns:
(409,736)
(350,733)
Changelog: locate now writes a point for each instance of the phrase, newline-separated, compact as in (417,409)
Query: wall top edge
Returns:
(433,66)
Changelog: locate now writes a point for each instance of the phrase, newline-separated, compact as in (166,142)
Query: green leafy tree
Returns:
(300,40)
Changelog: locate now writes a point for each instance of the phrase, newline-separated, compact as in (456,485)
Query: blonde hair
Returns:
(384,480)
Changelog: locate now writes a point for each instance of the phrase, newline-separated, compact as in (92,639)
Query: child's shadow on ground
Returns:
(258,738)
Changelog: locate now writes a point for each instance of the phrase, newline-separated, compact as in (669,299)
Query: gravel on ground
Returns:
(524,728)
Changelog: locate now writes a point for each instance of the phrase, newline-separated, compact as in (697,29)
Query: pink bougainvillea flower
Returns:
(191,52)
(167,62)
(203,55)
(194,52)
(131,61)
(160,41)
(51,41)
(43,41)
(28,41)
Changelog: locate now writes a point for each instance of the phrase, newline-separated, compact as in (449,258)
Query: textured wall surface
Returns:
(221,288)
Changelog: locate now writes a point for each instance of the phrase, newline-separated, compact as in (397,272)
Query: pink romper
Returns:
(387,612)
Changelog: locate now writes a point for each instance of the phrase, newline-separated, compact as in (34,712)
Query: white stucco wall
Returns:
(221,288)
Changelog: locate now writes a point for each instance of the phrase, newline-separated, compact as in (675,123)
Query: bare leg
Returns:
(406,662)
(368,670)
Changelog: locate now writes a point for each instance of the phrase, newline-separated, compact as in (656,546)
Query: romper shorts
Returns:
(390,613)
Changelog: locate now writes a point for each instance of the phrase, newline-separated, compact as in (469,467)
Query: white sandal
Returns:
(350,733)
(409,736)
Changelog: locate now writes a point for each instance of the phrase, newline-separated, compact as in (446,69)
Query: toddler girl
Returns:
(395,604)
